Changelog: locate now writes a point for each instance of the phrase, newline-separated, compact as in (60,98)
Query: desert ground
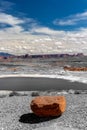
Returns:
(16,114)
(16,94)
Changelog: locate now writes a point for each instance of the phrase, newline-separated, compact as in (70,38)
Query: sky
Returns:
(43,26)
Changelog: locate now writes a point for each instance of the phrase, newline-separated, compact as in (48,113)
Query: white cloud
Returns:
(72,19)
(39,39)
(47,31)
(16,23)
(9,19)
(64,22)
(21,43)
(14,30)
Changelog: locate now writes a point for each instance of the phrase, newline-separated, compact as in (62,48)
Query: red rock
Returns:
(75,68)
(45,106)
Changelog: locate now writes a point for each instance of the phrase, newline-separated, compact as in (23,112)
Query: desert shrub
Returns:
(77,92)
(33,94)
(13,93)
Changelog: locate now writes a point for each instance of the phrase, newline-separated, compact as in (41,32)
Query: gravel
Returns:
(15,113)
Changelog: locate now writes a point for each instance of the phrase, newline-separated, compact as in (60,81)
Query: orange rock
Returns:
(48,105)
(75,68)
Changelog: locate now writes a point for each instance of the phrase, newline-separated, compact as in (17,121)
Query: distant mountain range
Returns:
(2,54)
(6,57)
(5,54)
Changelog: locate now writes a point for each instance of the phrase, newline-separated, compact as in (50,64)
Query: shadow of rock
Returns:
(31,118)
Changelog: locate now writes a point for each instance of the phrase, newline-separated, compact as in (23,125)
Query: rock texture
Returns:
(75,68)
(45,106)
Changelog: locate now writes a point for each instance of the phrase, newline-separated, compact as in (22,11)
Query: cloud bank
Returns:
(26,35)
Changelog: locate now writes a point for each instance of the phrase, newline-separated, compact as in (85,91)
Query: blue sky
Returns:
(63,22)
(49,13)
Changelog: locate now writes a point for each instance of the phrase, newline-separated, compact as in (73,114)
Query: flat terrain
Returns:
(15,112)
(32,83)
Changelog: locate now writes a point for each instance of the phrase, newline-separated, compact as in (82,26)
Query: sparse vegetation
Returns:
(35,93)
